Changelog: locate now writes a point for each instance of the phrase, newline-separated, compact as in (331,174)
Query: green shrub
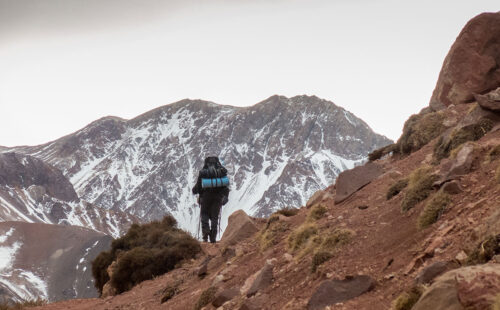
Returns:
(317,212)
(288,212)
(406,300)
(485,251)
(144,252)
(319,258)
(298,238)
(419,130)
(206,297)
(433,210)
(472,132)
(419,187)
(396,188)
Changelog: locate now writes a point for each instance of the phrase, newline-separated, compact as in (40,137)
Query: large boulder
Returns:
(473,287)
(472,64)
(350,181)
(331,292)
(490,101)
(239,227)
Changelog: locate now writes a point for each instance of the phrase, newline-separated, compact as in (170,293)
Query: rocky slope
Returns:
(278,152)
(50,262)
(416,229)
(35,192)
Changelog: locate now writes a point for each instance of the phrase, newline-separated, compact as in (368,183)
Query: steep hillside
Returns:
(279,152)
(50,262)
(416,228)
(33,191)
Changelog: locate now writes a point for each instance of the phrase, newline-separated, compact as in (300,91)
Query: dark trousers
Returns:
(210,209)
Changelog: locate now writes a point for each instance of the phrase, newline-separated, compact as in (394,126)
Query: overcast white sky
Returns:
(65,63)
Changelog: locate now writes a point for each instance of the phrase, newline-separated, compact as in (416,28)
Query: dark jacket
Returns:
(211,194)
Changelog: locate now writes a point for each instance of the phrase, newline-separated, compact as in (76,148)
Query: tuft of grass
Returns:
(396,188)
(419,130)
(496,303)
(298,238)
(419,187)
(406,300)
(484,251)
(22,305)
(472,132)
(144,252)
(170,291)
(287,212)
(317,212)
(494,153)
(433,210)
(319,258)
(268,236)
(206,297)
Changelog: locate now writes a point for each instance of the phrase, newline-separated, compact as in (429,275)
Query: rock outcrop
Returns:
(350,181)
(474,287)
(472,65)
(240,226)
(490,101)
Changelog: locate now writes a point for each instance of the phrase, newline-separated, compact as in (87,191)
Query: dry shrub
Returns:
(317,212)
(206,297)
(459,136)
(381,152)
(433,210)
(298,238)
(406,300)
(419,130)
(494,153)
(485,251)
(496,303)
(170,291)
(319,258)
(144,252)
(287,212)
(396,188)
(268,236)
(419,187)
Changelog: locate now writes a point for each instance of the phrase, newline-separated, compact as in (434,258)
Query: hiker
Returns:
(213,187)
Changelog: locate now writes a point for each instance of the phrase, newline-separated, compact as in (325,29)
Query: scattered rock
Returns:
(202,269)
(255,303)
(362,207)
(240,226)
(263,280)
(463,162)
(473,287)
(452,188)
(430,272)
(490,101)
(334,291)
(471,64)
(288,257)
(461,256)
(350,181)
(224,296)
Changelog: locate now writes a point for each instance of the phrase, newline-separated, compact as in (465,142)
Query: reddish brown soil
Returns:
(387,245)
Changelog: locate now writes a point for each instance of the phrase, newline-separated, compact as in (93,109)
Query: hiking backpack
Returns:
(213,175)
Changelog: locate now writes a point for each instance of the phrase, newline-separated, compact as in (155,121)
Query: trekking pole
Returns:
(199,223)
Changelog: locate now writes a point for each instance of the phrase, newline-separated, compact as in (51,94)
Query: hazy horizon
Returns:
(66,63)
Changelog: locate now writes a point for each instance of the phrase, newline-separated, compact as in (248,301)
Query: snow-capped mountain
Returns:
(33,191)
(278,153)
(50,262)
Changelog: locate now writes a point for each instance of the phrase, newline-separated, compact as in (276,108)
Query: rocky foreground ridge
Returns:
(415,228)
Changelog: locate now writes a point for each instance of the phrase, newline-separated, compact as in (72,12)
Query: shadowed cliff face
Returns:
(280,150)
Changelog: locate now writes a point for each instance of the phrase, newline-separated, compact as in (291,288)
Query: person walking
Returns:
(212,186)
